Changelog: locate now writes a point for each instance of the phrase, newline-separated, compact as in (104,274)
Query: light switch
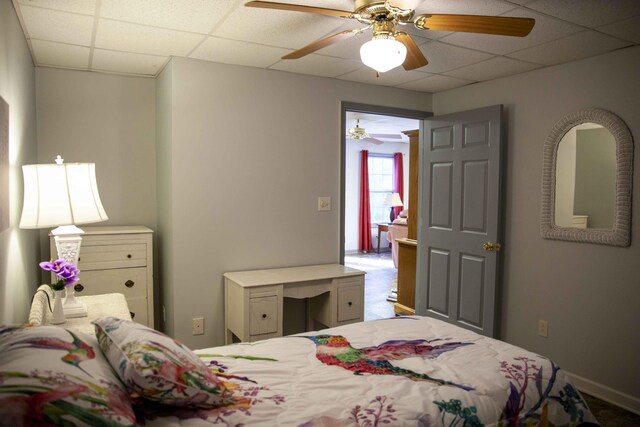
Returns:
(324,203)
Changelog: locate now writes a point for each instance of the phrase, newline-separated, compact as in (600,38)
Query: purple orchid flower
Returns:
(66,271)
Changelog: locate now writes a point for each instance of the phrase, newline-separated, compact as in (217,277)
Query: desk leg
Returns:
(378,239)
(310,323)
(228,337)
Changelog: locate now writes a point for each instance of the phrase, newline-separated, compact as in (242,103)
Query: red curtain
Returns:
(364,231)
(398,181)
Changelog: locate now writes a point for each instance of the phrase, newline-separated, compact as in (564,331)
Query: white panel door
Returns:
(458,221)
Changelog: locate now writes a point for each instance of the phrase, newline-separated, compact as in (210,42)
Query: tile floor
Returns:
(380,278)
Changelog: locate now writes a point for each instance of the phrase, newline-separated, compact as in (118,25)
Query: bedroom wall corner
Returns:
(19,253)
(164,187)
(587,292)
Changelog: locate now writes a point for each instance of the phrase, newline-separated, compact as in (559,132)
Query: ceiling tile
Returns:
(277,27)
(545,29)
(475,7)
(61,55)
(318,65)
(492,69)
(134,38)
(443,57)
(57,26)
(240,53)
(590,13)
(435,83)
(394,77)
(576,46)
(123,62)
(198,16)
(628,29)
(86,7)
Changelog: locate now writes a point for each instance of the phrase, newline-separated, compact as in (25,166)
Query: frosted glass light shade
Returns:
(393,200)
(60,194)
(383,53)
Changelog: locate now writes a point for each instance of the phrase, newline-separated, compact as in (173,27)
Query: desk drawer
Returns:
(132,282)
(263,315)
(351,281)
(112,256)
(350,303)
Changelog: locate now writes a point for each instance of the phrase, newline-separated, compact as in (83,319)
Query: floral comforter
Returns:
(407,371)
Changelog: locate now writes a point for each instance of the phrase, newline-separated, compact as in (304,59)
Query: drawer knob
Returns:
(128,255)
(350,303)
(78,288)
(129,283)
(79,259)
(264,316)
(132,314)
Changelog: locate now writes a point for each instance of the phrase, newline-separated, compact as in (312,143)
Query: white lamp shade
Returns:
(383,54)
(393,200)
(60,194)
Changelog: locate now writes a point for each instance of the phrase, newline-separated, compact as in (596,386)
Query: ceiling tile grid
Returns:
(139,36)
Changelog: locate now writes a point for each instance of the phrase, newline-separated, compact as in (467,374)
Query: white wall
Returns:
(252,150)
(352,187)
(589,293)
(18,248)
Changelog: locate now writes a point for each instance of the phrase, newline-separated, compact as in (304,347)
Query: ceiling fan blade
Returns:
(498,25)
(375,141)
(298,8)
(415,58)
(319,44)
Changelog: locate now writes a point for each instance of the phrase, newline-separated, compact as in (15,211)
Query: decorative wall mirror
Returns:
(587,179)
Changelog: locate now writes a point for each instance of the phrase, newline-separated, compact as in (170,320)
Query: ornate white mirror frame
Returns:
(620,235)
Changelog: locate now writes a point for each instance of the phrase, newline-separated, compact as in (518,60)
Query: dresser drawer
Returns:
(263,315)
(349,303)
(138,310)
(132,282)
(103,257)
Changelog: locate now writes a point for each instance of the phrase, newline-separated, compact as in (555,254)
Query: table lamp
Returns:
(62,195)
(392,200)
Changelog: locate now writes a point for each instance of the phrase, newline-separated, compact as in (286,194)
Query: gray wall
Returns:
(251,151)
(595,193)
(18,248)
(108,120)
(589,293)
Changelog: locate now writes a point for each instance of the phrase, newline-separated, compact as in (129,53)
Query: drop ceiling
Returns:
(138,37)
(378,124)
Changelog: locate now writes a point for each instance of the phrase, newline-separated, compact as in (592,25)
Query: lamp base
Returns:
(68,243)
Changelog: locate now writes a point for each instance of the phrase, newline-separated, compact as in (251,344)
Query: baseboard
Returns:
(605,393)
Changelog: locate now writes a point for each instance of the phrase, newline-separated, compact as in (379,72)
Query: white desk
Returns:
(253,300)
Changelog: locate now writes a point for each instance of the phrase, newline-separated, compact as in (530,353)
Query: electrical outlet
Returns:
(324,203)
(543,328)
(198,326)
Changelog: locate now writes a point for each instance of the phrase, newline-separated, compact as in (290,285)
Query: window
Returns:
(380,184)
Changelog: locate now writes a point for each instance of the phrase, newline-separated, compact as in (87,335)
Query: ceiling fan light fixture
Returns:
(383,53)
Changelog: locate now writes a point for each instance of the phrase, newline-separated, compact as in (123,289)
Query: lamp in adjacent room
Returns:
(62,195)
(392,200)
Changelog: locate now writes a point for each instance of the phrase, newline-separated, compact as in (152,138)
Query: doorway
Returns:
(378,131)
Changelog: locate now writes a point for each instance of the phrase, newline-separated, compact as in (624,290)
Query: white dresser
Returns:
(254,299)
(117,260)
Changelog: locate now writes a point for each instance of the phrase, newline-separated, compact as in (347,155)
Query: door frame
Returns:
(371,109)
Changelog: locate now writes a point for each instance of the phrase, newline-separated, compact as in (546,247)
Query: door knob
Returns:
(490,247)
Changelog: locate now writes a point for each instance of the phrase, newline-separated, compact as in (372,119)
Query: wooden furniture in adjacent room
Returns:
(117,260)
(407,248)
(381,228)
(253,300)
(113,305)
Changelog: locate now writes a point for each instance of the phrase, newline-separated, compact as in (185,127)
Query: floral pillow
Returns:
(157,367)
(51,376)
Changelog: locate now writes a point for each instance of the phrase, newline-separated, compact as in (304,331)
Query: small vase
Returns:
(58,313)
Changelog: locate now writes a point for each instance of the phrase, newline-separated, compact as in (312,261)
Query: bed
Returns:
(403,371)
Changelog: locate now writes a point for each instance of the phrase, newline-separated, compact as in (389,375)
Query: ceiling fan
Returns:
(360,134)
(389,47)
